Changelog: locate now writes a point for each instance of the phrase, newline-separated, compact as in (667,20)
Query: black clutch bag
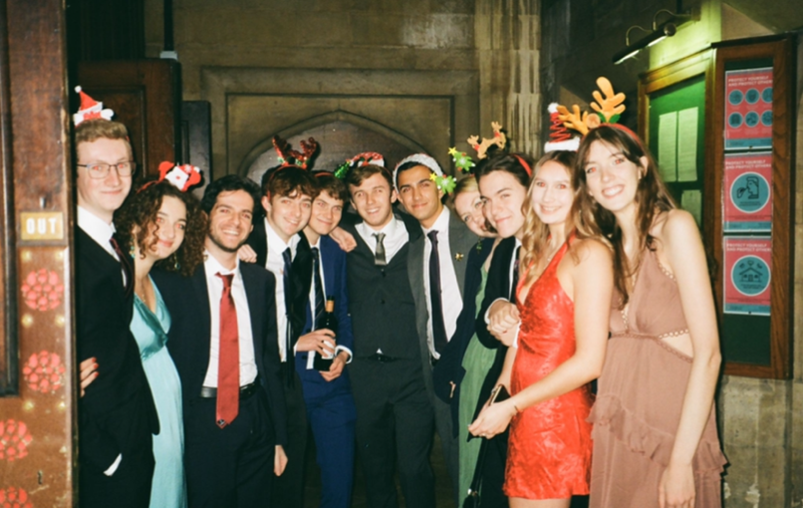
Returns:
(472,499)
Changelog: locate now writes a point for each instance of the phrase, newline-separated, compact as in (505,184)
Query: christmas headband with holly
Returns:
(358,160)
(290,157)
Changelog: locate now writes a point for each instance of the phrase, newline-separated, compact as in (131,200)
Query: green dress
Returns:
(476,362)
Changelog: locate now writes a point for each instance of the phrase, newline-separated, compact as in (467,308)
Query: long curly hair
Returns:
(652,199)
(140,210)
(536,234)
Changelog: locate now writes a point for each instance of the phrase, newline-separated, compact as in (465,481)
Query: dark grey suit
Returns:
(461,241)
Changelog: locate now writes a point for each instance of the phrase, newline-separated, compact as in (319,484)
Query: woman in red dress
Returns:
(562,310)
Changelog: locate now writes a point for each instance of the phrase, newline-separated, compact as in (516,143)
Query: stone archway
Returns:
(340,135)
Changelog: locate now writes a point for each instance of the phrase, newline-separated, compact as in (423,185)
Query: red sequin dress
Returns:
(549,451)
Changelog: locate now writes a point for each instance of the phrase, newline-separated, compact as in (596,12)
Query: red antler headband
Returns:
(290,157)
(524,164)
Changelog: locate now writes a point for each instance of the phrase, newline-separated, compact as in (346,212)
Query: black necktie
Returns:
(317,286)
(128,266)
(514,287)
(438,328)
(287,277)
(379,255)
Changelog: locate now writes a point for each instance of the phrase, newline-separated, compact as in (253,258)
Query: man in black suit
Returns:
(223,342)
(394,411)
(437,269)
(117,415)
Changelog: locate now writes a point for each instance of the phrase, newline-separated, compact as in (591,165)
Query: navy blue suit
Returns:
(330,405)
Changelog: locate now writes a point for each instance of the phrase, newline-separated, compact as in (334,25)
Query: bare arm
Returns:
(684,253)
(592,285)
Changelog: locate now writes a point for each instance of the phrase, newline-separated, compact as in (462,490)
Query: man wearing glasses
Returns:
(116,415)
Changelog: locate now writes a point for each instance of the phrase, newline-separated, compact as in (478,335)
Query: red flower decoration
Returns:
(43,372)
(42,290)
(14,440)
(14,498)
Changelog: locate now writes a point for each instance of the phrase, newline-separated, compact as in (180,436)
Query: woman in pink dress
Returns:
(563,311)
(655,435)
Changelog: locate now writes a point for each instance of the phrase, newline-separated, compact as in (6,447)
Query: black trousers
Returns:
(233,466)
(130,485)
(395,420)
(288,489)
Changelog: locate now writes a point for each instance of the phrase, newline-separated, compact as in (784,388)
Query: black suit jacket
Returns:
(498,286)
(103,313)
(301,275)
(187,299)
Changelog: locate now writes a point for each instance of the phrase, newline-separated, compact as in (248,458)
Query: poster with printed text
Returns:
(748,192)
(748,262)
(748,109)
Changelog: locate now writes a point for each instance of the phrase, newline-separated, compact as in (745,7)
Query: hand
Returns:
(343,238)
(508,337)
(89,372)
(247,254)
(321,341)
(676,488)
(336,369)
(502,316)
(493,419)
(279,461)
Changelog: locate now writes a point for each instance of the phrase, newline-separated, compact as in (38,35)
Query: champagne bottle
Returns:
(329,322)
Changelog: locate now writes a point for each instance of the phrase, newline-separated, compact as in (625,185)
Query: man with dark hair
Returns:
(437,268)
(116,415)
(223,342)
(327,394)
(287,193)
(394,412)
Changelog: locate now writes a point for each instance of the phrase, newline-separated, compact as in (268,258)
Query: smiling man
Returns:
(437,268)
(394,413)
(223,342)
(287,193)
(117,414)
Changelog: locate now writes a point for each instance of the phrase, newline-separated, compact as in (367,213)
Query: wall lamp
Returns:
(659,32)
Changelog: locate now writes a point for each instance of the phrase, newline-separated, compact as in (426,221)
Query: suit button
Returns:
(382,301)
(383,273)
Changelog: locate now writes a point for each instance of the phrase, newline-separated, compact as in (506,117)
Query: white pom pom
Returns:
(78,89)
(553,108)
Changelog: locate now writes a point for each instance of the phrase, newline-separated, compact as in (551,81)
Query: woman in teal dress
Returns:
(161,226)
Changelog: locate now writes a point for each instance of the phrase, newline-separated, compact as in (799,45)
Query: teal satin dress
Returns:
(169,488)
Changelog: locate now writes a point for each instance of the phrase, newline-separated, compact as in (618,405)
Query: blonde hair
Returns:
(535,234)
(92,130)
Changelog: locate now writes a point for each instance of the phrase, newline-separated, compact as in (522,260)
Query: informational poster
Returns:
(747,275)
(748,109)
(748,192)
(687,144)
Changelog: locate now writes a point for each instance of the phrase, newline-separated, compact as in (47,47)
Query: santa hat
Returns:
(90,109)
(444,183)
(559,136)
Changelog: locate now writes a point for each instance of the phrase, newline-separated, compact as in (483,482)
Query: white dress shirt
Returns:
(396,236)
(451,299)
(338,348)
(275,263)
(214,284)
(100,231)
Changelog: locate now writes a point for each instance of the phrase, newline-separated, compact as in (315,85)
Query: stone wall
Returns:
(430,72)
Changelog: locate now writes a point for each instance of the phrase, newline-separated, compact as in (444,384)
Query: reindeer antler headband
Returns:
(481,147)
(290,157)
(608,109)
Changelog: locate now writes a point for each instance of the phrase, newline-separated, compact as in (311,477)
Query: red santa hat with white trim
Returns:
(90,109)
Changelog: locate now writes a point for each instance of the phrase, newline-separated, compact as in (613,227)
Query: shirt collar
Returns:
(276,244)
(97,229)
(441,223)
(212,266)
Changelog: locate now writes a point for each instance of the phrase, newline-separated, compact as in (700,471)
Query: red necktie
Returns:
(228,367)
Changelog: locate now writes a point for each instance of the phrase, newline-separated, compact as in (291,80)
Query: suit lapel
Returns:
(201,292)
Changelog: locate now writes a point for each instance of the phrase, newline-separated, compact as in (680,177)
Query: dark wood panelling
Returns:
(106,29)
(145,95)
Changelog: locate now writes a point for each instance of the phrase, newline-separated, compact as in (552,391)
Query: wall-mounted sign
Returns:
(748,192)
(41,226)
(747,275)
(748,109)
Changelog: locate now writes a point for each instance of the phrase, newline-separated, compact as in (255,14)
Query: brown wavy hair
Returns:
(535,233)
(141,209)
(652,199)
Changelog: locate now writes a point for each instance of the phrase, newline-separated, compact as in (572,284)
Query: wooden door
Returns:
(145,96)
(37,438)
